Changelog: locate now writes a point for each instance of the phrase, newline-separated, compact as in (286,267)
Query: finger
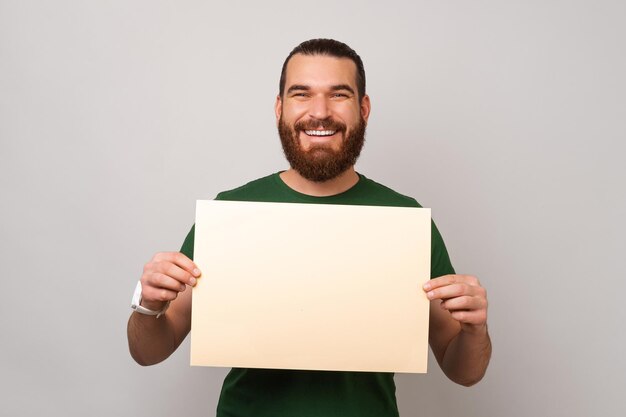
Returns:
(179,259)
(174,271)
(439,282)
(449,280)
(464,303)
(470,317)
(158,294)
(451,291)
(161,281)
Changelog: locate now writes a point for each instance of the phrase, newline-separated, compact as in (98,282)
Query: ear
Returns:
(366,107)
(278,108)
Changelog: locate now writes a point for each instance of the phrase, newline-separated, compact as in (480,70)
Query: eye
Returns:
(340,95)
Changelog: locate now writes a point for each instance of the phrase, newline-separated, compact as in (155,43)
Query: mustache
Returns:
(325,124)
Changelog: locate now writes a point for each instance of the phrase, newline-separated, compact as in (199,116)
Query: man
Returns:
(321,111)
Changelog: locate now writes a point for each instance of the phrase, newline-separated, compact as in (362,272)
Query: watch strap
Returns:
(135,304)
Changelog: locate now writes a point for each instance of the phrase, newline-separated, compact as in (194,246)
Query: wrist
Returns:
(153,305)
(474,329)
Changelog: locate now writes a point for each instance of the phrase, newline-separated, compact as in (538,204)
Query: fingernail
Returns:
(192,281)
(430,294)
(427,286)
(196,272)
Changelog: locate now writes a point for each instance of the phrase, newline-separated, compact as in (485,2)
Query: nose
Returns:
(319,108)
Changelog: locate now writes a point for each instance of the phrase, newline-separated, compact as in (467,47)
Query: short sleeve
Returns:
(187,248)
(439,259)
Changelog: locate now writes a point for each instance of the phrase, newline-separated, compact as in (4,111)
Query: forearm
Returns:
(150,340)
(467,356)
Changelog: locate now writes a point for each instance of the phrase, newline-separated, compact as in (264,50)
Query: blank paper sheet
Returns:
(311,286)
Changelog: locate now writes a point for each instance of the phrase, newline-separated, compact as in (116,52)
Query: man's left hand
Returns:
(463,297)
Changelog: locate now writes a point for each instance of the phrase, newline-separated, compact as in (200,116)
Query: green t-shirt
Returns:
(277,393)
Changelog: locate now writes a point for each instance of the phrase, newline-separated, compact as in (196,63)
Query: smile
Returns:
(320,132)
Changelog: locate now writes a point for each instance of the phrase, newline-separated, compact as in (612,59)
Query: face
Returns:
(321,121)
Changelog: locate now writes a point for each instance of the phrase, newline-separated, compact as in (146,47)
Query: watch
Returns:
(135,304)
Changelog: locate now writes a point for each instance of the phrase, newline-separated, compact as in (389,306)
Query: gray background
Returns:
(505,117)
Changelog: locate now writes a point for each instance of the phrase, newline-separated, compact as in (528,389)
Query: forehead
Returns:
(320,71)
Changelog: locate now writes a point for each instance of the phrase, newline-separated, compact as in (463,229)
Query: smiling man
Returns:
(321,112)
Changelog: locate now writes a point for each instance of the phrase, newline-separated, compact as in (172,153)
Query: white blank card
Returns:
(311,286)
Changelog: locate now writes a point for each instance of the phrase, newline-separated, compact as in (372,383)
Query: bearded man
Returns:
(321,111)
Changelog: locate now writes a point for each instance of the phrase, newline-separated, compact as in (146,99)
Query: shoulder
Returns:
(248,190)
(387,195)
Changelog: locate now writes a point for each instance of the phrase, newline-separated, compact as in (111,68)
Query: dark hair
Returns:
(329,47)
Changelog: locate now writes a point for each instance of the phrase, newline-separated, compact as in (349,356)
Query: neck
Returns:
(337,185)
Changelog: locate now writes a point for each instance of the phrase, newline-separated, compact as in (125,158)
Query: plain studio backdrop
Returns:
(507,118)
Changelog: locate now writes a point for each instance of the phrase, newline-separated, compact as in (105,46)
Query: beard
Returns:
(321,163)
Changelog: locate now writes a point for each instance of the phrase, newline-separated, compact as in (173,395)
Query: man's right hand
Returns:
(165,276)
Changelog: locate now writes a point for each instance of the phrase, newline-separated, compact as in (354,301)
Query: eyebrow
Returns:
(298,87)
(340,87)
(301,87)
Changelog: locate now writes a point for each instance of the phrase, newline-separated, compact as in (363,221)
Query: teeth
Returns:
(320,132)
